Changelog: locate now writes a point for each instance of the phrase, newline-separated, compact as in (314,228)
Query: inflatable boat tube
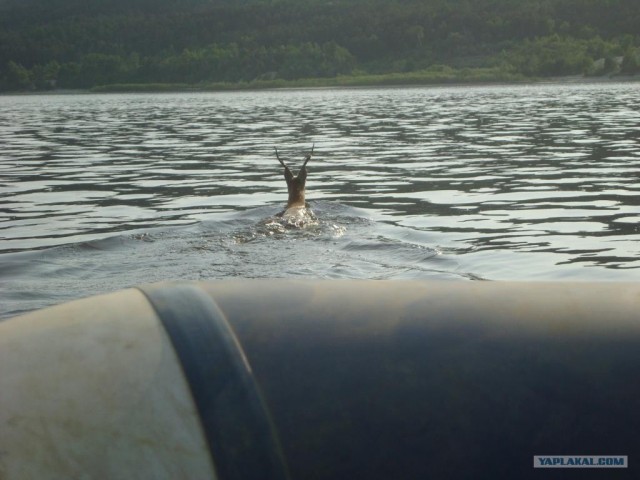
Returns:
(265,379)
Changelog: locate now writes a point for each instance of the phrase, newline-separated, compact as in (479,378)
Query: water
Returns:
(101,192)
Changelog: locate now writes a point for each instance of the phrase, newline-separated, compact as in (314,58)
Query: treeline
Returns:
(84,43)
(555,55)
(215,63)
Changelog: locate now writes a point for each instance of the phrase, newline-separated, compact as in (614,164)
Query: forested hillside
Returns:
(84,43)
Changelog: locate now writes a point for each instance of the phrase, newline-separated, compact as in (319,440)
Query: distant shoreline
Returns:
(415,79)
(473,78)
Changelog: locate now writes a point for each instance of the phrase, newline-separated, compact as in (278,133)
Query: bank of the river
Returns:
(441,76)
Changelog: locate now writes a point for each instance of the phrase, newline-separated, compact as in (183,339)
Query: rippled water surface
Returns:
(100,192)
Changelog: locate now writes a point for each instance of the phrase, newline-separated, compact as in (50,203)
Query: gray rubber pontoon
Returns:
(276,379)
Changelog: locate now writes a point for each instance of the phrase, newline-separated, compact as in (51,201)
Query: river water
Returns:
(102,192)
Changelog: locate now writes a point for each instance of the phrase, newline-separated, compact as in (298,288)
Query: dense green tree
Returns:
(45,77)
(16,77)
(630,63)
(553,55)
